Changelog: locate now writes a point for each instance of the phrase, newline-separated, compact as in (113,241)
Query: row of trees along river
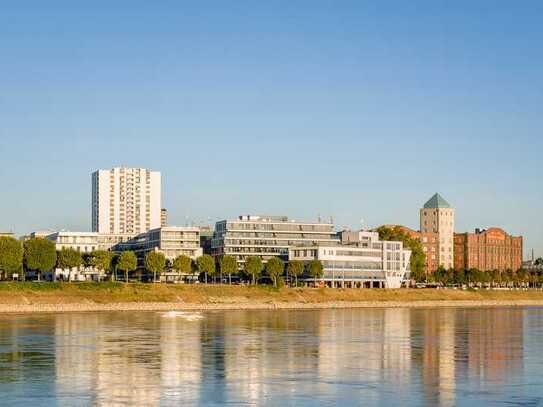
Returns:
(38,255)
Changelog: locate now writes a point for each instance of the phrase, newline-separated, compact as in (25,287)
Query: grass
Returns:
(113,292)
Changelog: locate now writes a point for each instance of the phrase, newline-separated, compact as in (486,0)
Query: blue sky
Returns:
(351,109)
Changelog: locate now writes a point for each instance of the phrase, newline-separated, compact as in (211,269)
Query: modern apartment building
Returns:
(487,250)
(84,242)
(126,200)
(361,260)
(172,241)
(437,216)
(267,236)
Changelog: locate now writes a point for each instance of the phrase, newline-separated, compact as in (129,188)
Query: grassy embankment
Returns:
(108,293)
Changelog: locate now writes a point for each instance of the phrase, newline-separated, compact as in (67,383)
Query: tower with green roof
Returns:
(437,216)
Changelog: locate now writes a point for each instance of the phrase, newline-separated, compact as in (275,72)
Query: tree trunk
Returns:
(126,275)
(154,276)
(229,279)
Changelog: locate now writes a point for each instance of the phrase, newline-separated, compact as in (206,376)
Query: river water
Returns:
(388,357)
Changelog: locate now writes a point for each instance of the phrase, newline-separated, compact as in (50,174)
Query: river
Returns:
(385,357)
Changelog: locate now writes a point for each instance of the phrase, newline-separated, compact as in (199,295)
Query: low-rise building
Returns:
(172,241)
(361,260)
(267,236)
(487,250)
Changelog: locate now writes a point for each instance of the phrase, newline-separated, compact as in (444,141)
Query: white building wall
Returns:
(125,190)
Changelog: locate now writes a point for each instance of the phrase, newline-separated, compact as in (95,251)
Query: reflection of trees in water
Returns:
(25,344)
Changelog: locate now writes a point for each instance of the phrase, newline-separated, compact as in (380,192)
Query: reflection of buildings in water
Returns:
(495,343)
(483,344)
(96,354)
(372,345)
(260,347)
(181,360)
(438,361)
(447,359)
(75,356)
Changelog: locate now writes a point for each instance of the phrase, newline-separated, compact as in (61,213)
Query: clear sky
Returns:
(351,109)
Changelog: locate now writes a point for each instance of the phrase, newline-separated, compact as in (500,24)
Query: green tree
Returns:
(275,268)
(101,260)
(206,265)
(459,277)
(39,255)
(539,261)
(11,256)
(67,259)
(253,267)
(295,268)
(155,262)
(315,270)
(183,265)
(127,262)
(418,258)
(228,266)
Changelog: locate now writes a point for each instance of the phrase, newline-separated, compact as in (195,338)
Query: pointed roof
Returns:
(437,201)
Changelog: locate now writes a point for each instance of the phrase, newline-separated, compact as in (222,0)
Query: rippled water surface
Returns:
(364,357)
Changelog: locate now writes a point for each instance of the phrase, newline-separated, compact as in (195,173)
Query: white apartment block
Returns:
(360,261)
(437,216)
(172,241)
(126,201)
(267,236)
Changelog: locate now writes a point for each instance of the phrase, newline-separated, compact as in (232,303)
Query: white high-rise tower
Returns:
(125,200)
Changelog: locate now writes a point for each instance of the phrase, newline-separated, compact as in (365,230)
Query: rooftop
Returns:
(437,201)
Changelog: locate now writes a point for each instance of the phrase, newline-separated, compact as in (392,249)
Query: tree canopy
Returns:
(315,269)
(206,265)
(183,264)
(155,263)
(39,254)
(101,260)
(68,258)
(253,267)
(228,265)
(11,256)
(127,262)
(275,268)
(295,268)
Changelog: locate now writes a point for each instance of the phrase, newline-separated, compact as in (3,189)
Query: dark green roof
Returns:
(436,201)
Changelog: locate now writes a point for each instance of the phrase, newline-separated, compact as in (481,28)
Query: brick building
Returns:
(487,250)
(430,246)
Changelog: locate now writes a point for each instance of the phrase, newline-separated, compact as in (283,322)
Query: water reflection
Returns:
(356,357)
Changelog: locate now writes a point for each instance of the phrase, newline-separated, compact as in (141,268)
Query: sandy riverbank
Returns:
(165,306)
(91,297)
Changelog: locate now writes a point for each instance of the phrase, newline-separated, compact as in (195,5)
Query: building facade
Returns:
(361,260)
(430,246)
(487,250)
(163,217)
(172,241)
(437,216)
(267,237)
(126,200)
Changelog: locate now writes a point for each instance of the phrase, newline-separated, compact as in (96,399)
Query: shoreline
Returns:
(256,306)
